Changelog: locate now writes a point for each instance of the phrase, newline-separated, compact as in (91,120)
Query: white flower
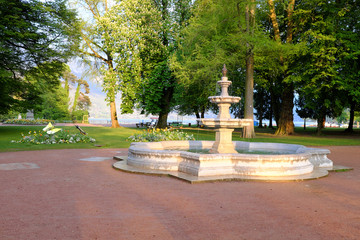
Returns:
(53,131)
(48,127)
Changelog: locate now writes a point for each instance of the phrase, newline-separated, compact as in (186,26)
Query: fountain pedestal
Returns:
(224,125)
(223,141)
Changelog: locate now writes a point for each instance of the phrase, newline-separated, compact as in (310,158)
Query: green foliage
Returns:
(329,81)
(53,105)
(97,49)
(33,35)
(344,116)
(78,114)
(153,88)
(216,34)
(157,135)
(9,115)
(140,35)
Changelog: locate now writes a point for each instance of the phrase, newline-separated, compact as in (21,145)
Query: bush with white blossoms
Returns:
(157,135)
(51,135)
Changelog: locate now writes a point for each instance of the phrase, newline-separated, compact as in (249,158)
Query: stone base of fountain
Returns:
(283,162)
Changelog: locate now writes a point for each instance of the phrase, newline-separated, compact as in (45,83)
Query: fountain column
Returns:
(224,125)
(223,141)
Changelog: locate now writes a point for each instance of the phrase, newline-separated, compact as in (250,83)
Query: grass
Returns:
(116,138)
(105,138)
(308,137)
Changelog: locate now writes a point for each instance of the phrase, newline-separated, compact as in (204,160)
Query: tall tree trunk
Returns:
(111,94)
(248,131)
(197,114)
(165,108)
(285,124)
(162,121)
(203,112)
(352,115)
(304,123)
(114,119)
(320,123)
(260,122)
(286,120)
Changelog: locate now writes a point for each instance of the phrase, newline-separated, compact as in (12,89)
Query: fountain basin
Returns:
(224,99)
(172,156)
(225,123)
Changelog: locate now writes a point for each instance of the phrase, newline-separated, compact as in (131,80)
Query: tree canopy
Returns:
(36,37)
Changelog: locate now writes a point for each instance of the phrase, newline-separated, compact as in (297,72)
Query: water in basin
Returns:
(243,151)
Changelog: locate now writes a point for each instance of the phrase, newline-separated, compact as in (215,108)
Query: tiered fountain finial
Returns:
(224,71)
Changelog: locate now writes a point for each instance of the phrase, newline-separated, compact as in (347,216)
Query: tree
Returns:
(348,34)
(285,124)
(323,72)
(248,131)
(262,104)
(143,35)
(33,34)
(97,50)
(53,105)
(219,32)
(44,94)
(84,103)
(80,101)
(174,16)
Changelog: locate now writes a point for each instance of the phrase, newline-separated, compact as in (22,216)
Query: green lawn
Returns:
(116,138)
(105,138)
(308,137)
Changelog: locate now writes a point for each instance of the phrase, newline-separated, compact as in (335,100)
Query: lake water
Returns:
(185,121)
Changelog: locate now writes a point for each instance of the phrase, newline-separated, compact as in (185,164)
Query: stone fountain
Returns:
(257,161)
(224,125)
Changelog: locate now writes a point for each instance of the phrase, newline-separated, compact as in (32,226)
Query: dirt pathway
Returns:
(76,194)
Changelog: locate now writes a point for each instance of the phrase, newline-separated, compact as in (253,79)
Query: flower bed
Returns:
(51,135)
(28,121)
(39,137)
(157,135)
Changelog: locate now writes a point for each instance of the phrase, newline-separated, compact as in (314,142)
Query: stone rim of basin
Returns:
(162,156)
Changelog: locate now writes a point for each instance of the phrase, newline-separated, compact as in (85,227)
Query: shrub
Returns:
(28,121)
(157,135)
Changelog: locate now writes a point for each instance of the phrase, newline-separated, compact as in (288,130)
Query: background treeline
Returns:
(167,55)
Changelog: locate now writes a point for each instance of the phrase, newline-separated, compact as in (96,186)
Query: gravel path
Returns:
(76,194)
